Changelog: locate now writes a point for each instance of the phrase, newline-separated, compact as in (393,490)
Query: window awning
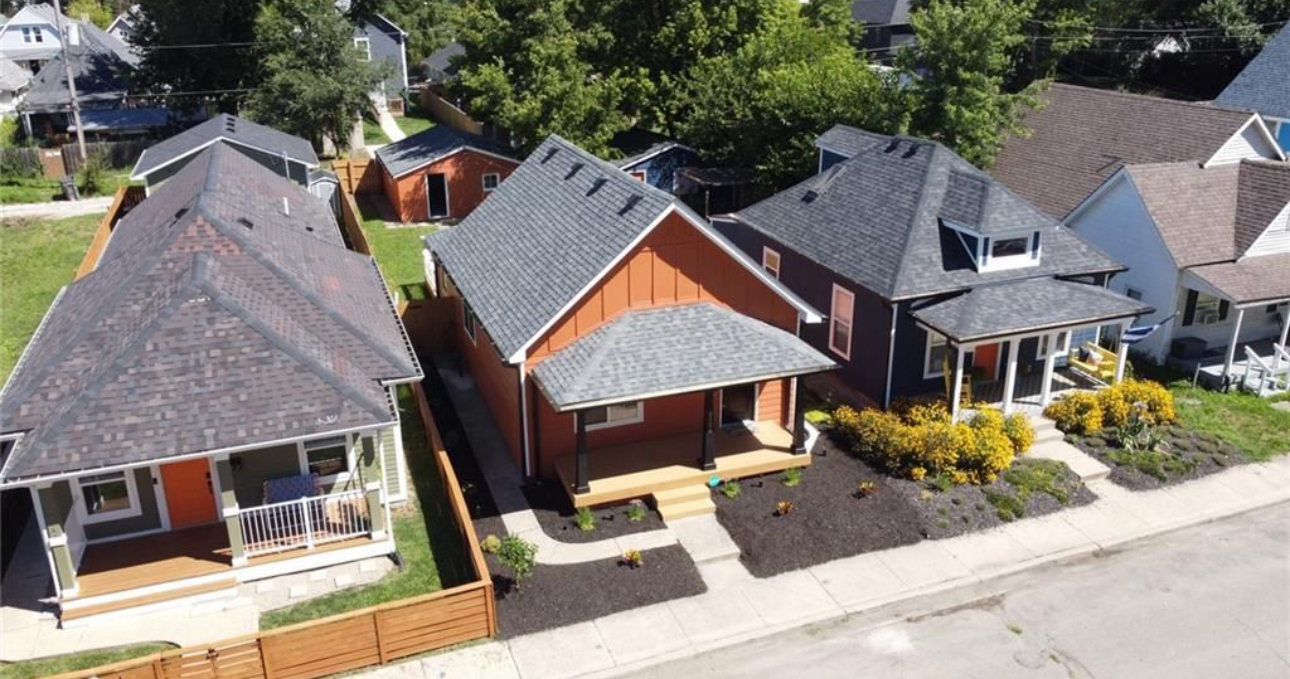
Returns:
(1253,280)
(1032,305)
(672,350)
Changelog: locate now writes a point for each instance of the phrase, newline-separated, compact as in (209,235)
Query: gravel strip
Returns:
(556,516)
(1204,454)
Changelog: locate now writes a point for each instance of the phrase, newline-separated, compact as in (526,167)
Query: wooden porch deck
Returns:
(636,470)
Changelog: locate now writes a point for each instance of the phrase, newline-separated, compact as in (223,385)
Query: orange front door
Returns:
(986,357)
(190,495)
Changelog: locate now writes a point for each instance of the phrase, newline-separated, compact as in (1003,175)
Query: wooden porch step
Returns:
(682,494)
(69,615)
(680,503)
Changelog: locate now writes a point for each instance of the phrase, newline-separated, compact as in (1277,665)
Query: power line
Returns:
(206,45)
(1123,29)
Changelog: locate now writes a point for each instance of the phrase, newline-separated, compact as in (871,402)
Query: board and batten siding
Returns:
(1276,239)
(1249,144)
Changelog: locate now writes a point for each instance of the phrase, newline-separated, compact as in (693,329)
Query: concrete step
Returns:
(687,509)
(1085,466)
(1046,435)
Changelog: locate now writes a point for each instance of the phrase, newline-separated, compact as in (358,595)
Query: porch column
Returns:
(1285,335)
(956,391)
(1122,357)
(708,458)
(54,509)
(582,471)
(372,471)
(1231,345)
(1010,376)
(1050,361)
(231,512)
(799,419)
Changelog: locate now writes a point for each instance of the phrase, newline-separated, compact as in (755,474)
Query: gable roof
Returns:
(101,65)
(439,65)
(881,12)
(1082,136)
(877,219)
(227,128)
(1208,215)
(12,76)
(552,229)
(1264,84)
(214,319)
(638,145)
(428,146)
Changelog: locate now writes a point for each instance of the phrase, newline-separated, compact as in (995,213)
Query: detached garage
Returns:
(442,173)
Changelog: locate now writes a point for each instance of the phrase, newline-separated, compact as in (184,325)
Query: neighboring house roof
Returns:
(12,76)
(439,65)
(102,78)
(553,228)
(881,12)
(877,219)
(1264,84)
(1081,137)
(227,128)
(224,312)
(671,350)
(436,143)
(1250,280)
(1208,215)
(638,145)
(1034,304)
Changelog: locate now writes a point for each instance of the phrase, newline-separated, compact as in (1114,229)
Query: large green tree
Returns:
(313,82)
(430,24)
(957,72)
(214,60)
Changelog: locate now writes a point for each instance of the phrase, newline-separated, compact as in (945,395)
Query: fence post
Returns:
(309,526)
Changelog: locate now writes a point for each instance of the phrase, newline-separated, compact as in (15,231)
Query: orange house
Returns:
(441,173)
(622,344)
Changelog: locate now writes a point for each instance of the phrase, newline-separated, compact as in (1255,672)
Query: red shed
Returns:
(441,173)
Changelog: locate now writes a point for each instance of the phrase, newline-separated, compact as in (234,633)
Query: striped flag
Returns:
(1134,335)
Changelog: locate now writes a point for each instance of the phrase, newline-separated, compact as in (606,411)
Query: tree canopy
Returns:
(221,72)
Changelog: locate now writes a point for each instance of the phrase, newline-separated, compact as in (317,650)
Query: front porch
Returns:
(1029,390)
(1246,370)
(619,473)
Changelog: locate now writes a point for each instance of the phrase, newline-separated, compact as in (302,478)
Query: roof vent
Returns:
(246,222)
(574,169)
(631,203)
(550,153)
(286,206)
(179,214)
(597,185)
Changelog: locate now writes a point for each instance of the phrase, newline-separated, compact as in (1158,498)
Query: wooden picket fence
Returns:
(349,641)
(126,198)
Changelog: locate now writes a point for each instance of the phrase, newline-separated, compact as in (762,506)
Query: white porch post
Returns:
(1010,376)
(1050,361)
(1285,334)
(1231,345)
(956,392)
(1122,357)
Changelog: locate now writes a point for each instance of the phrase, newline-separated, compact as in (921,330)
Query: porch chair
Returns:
(965,398)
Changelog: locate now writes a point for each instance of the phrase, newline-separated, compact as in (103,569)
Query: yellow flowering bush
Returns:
(1113,407)
(1017,427)
(1077,413)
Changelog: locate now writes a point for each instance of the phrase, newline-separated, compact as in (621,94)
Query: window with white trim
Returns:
(1060,348)
(491,180)
(364,47)
(938,348)
(770,261)
(468,320)
(108,496)
(1208,310)
(615,415)
(327,457)
(840,321)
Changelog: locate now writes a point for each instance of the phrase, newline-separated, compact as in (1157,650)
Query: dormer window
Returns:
(1000,253)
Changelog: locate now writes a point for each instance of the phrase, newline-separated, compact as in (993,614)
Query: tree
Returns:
(93,11)
(221,73)
(428,23)
(763,105)
(314,83)
(957,71)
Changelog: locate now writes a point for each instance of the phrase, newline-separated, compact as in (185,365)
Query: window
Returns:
(108,496)
(327,457)
(468,321)
(770,261)
(840,322)
(938,348)
(364,47)
(1283,134)
(638,175)
(32,35)
(1202,309)
(1060,347)
(491,180)
(1009,247)
(1133,293)
(615,415)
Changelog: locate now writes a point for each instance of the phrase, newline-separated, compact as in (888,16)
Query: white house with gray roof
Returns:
(214,403)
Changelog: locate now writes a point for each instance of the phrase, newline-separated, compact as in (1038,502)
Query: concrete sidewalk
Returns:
(738,608)
(57,209)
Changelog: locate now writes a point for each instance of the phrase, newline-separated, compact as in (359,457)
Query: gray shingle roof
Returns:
(1082,136)
(230,128)
(212,320)
(881,12)
(545,234)
(671,350)
(1253,279)
(1264,85)
(1208,215)
(439,65)
(425,147)
(1020,306)
(102,72)
(876,219)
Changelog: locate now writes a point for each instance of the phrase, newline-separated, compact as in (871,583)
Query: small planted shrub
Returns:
(866,489)
(1019,431)
(1077,413)
(731,489)
(518,556)
(635,511)
(585,520)
(783,507)
(1007,506)
(633,558)
(792,476)
(1114,407)
(491,544)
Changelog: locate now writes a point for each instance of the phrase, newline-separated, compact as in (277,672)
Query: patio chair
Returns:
(965,398)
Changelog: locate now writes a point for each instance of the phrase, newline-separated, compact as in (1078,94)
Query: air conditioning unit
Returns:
(1209,318)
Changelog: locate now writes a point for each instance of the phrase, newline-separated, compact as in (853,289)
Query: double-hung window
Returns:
(108,496)
(327,457)
(491,180)
(468,321)
(840,319)
(615,415)
(364,47)
(1060,347)
(937,351)
(770,261)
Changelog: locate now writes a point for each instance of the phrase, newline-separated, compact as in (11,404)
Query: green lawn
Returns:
(433,553)
(38,258)
(20,190)
(77,661)
(415,121)
(372,133)
(397,250)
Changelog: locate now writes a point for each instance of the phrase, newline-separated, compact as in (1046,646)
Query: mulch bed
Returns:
(829,519)
(556,516)
(1189,455)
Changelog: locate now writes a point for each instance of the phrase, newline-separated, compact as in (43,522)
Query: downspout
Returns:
(891,355)
(524,425)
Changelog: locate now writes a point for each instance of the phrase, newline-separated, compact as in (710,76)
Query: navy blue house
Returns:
(652,157)
(927,266)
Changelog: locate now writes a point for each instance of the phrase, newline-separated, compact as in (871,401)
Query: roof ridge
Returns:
(613,170)
(1206,105)
(611,330)
(916,215)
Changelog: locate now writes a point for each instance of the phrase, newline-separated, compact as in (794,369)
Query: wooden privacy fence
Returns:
(126,198)
(349,641)
(358,175)
(352,223)
(116,154)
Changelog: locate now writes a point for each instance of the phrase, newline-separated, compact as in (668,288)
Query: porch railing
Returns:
(304,523)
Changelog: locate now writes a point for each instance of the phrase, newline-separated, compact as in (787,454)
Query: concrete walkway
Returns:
(59,209)
(1050,444)
(738,608)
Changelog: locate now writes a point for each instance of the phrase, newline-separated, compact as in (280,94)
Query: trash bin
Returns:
(69,187)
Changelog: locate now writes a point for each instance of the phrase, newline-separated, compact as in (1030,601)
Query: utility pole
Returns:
(63,38)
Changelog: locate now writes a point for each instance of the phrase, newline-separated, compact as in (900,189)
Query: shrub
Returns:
(585,519)
(1019,431)
(633,558)
(93,174)
(636,511)
(491,544)
(1119,401)
(784,507)
(917,438)
(731,489)
(1077,413)
(866,488)
(792,476)
(519,556)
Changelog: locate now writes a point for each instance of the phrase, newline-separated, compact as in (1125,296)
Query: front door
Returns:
(437,195)
(986,358)
(738,405)
(190,495)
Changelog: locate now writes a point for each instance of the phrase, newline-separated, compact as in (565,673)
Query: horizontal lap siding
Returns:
(465,174)
(772,401)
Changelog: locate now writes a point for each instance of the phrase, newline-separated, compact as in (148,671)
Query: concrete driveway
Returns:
(1209,601)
